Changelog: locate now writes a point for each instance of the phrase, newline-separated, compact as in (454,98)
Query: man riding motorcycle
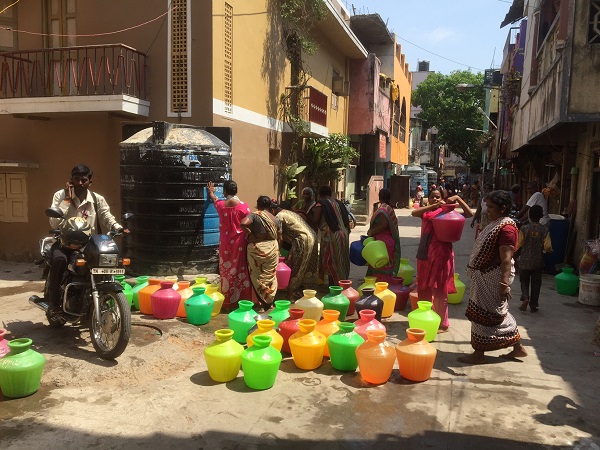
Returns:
(84,213)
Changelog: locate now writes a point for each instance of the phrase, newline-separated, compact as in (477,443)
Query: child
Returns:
(534,239)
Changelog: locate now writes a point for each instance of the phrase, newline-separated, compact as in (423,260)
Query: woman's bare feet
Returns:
(442,329)
(477,357)
(518,351)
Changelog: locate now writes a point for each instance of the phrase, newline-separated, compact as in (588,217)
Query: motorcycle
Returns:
(351,217)
(89,291)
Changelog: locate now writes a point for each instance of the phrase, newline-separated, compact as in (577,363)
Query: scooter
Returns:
(89,291)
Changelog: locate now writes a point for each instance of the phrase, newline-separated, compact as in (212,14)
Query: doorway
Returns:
(61,22)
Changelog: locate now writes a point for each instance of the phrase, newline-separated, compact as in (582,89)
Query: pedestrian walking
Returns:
(491,269)
(534,240)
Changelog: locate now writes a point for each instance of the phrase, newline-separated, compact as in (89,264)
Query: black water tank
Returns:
(423,66)
(165,169)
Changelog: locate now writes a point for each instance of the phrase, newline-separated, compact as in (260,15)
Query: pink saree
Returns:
(233,266)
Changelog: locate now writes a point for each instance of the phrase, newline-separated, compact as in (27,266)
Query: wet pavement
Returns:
(158,394)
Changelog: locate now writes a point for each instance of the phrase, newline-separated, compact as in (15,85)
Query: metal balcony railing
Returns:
(73,71)
(308,104)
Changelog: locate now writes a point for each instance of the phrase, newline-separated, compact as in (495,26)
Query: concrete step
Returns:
(359,207)
(361,219)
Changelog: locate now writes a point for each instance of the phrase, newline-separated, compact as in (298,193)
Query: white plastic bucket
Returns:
(589,289)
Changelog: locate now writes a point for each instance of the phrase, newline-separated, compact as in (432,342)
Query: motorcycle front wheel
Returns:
(110,333)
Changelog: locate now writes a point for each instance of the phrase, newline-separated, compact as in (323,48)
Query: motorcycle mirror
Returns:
(54,212)
(127,216)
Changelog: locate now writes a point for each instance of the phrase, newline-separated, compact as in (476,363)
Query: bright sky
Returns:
(464,31)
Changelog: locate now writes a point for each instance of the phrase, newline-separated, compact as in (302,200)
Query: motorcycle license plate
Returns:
(107,271)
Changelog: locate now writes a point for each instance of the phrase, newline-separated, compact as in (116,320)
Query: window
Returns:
(594,28)
(8,19)
(403,121)
(334,97)
(179,58)
(13,197)
(274,156)
(228,60)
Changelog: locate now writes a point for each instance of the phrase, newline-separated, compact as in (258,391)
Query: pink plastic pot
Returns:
(448,226)
(283,274)
(165,301)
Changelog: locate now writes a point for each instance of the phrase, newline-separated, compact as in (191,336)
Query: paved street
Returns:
(159,395)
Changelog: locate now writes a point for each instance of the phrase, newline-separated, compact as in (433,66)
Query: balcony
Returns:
(308,110)
(109,78)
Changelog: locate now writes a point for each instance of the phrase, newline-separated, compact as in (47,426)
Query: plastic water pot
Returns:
(283,273)
(448,226)
(356,249)
(375,253)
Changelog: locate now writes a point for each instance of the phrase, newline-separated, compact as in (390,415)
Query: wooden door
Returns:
(62,28)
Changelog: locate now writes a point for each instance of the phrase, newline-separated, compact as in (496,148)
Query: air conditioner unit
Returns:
(341,87)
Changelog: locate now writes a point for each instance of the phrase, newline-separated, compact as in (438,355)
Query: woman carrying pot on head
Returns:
(384,227)
(491,269)
(435,259)
(264,234)
(303,257)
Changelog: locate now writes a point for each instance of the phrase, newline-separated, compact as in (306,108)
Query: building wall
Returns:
(585,68)
(403,78)
(56,145)
(589,142)
(362,85)
(541,110)
(321,66)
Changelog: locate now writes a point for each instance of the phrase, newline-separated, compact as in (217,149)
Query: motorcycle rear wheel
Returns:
(110,335)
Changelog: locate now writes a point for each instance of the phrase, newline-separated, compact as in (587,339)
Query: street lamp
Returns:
(464,87)
(481,111)
(483,153)
(433,131)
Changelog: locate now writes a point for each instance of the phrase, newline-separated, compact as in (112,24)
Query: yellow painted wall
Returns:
(402,78)
(321,67)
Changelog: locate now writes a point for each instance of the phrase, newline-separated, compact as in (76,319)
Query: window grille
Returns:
(594,28)
(228,60)
(179,57)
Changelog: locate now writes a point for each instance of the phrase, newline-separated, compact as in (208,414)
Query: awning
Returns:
(516,12)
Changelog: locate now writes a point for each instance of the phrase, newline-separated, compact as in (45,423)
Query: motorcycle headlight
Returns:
(108,260)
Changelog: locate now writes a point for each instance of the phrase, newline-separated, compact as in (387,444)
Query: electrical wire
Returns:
(93,34)
(440,56)
(10,6)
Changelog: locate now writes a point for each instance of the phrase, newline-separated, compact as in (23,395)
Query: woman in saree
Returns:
(491,269)
(233,266)
(384,227)
(331,218)
(264,234)
(303,256)
(435,259)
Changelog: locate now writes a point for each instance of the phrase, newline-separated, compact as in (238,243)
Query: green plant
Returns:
(325,157)
(290,180)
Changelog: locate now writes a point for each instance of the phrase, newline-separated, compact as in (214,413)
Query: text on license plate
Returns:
(107,271)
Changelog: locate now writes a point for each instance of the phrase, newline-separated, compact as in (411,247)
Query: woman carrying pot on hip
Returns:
(435,259)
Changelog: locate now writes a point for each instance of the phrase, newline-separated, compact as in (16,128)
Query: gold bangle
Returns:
(504,284)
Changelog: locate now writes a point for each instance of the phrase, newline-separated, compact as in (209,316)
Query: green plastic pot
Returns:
(21,370)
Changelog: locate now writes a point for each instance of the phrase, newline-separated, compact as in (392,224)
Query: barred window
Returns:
(179,102)
(594,28)
(228,60)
